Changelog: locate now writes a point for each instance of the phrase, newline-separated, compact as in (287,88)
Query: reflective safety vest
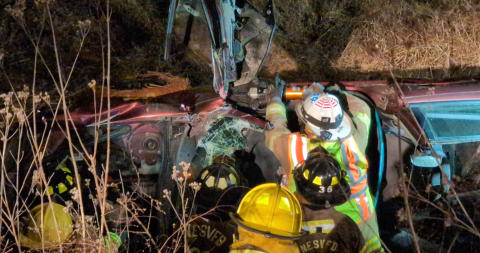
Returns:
(360,207)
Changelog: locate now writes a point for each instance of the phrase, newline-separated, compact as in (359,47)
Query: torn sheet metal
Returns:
(154,88)
(240,37)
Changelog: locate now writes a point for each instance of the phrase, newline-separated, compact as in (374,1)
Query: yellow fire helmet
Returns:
(53,235)
(272,210)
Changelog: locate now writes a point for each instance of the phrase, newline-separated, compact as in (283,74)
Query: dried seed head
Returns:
(36,179)
(22,95)
(45,97)
(7,98)
(75,194)
(83,27)
(8,116)
(185,166)
(166,193)
(17,11)
(92,84)
(175,173)
(20,117)
(37,99)
(195,186)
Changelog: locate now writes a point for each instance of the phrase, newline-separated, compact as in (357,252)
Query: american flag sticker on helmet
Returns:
(326,102)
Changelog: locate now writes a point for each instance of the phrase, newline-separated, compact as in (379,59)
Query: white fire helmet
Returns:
(323,115)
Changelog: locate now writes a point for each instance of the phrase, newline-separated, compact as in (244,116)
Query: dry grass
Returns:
(416,38)
(25,142)
(332,40)
(28,138)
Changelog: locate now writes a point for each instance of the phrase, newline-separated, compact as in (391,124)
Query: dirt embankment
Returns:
(432,39)
(315,40)
(416,40)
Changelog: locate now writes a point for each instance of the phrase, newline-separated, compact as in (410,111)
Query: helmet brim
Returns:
(25,241)
(341,132)
(34,244)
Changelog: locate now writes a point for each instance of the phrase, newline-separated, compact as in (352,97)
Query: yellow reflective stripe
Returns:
(65,168)
(50,190)
(364,249)
(70,179)
(276,108)
(62,188)
(373,245)
(311,226)
(363,117)
(273,137)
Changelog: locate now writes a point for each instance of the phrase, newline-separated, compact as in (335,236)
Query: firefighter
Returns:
(321,185)
(50,222)
(269,220)
(61,179)
(221,188)
(326,124)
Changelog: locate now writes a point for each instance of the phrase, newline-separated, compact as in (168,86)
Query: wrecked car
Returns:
(428,131)
(430,128)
